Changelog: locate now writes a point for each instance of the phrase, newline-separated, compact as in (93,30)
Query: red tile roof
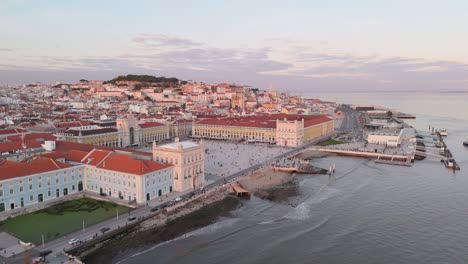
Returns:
(124,163)
(316,121)
(18,145)
(7,163)
(71,124)
(37,136)
(150,124)
(54,155)
(11,131)
(76,155)
(95,157)
(65,146)
(264,121)
(39,165)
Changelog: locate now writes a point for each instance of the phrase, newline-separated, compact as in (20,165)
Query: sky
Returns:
(333,45)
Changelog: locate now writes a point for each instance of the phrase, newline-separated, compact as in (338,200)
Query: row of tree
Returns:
(144,79)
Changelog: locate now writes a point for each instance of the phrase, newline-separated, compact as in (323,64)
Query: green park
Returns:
(61,219)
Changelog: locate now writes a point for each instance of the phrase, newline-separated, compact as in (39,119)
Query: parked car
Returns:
(44,253)
(154,209)
(73,241)
(131,218)
(178,199)
(105,229)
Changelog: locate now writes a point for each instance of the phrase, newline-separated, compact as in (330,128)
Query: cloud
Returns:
(293,66)
(160,40)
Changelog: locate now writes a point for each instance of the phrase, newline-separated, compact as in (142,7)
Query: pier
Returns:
(444,154)
(365,154)
(394,162)
(239,190)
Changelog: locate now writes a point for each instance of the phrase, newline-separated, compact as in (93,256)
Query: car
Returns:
(73,241)
(154,209)
(45,252)
(131,218)
(178,199)
(105,229)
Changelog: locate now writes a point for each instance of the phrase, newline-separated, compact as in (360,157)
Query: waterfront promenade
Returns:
(120,221)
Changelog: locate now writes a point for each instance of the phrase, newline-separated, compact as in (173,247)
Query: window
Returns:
(30,186)
(48,193)
(21,188)
(31,198)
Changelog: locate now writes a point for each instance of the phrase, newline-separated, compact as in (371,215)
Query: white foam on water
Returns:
(202,231)
(214,227)
(302,211)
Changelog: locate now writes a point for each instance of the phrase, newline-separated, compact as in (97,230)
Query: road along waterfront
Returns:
(367,213)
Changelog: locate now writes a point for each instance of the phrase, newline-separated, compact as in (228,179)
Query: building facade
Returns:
(280,129)
(122,177)
(188,159)
(390,139)
(102,172)
(93,135)
(290,133)
(43,179)
(129,132)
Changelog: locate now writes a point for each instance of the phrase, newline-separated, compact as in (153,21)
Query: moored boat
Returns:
(465,143)
(443,132)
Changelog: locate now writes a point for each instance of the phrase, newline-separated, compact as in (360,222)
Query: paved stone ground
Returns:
(225,158)
(9,245)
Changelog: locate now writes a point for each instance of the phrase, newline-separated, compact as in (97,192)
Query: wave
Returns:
(202,231)
(302,211)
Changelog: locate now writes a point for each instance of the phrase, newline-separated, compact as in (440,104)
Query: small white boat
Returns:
(465,143)
(443,132)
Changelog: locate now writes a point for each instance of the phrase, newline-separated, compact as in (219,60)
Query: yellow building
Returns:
(94,135)
(280,129)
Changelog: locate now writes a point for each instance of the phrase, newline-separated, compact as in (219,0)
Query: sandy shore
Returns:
(265,178)
(271,185)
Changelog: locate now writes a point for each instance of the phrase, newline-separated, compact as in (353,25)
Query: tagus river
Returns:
(370,213)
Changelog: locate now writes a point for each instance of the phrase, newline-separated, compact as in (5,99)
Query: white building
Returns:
(123,177)
(388,138)
(103,172)
(188,159)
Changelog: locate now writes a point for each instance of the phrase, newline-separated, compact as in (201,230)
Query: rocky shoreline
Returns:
(266,183)
(146,235)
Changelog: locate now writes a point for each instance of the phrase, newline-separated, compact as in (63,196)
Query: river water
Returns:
(369,213)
